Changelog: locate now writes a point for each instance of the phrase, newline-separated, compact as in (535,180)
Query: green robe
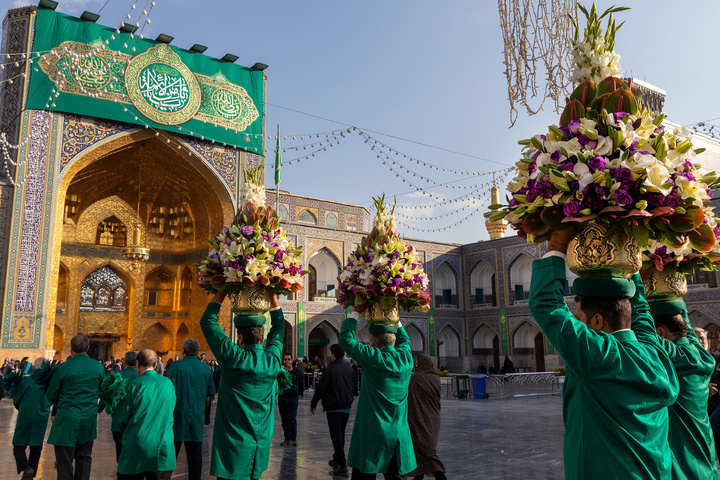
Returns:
(381,425)
(690,438)
(617,386)
(33,410)
(193,382)
(145,417)
(245,417)
(74,389)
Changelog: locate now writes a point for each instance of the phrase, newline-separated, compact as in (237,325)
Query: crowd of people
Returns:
(157,408)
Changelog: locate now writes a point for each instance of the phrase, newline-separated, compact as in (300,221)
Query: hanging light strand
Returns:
(440,229)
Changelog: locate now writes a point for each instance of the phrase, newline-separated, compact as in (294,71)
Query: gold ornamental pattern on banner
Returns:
(161,86)
(593,253)
(251,301)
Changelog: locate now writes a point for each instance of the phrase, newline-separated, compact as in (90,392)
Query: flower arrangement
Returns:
(383,268)
(253,249)
(594,56)
(610,161)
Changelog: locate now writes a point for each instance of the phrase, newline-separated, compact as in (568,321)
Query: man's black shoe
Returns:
(341,472)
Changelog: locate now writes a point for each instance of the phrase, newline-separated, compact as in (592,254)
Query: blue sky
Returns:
(419,75)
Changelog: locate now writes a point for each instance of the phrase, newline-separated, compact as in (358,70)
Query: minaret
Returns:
(495,229)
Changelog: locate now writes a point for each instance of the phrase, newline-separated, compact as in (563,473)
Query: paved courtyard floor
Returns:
(479,439)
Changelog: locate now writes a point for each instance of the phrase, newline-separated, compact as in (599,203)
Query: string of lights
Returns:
(444,215)
(440,229)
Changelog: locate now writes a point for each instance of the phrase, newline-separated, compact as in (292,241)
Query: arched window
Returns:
(331,220)
(306,216)
(283,213)
(445,286)
(482,284)
(524,337)
(157,338)
(186,287)
(159,288)
(111,231)
(103,290)
(520,273)
(448,342)
(483,339)
(326,270)
(417,341)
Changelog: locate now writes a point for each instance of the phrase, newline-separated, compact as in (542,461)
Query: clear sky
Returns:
(423,77)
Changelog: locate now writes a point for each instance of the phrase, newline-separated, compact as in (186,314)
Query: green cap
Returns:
(249,320)
(667,307)
(382,328)
(604,287)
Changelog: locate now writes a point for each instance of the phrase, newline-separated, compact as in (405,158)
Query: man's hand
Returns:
(274,302)
(361,308)
(312,410)
(713,389)
(219,296)
(560,239)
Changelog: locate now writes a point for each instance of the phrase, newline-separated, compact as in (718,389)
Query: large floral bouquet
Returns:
(253,249)
(383,268)
(609,160)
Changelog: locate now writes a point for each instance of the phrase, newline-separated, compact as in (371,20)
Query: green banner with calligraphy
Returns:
(503,332)
(144,82)
(301,329)
(431,332)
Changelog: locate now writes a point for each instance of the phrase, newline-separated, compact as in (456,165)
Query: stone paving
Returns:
(493,439)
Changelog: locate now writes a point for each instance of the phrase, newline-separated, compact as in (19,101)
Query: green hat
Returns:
(382,328)
(604,287)
(249,320)
(667,307)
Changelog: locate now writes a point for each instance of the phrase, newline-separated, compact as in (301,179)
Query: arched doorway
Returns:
(324,270)
(158,338)
(417,339)
(182,335)
(319,341)
(520,273)
(482,285)
(176,197)
(448,340)
(528,348)
(486,346)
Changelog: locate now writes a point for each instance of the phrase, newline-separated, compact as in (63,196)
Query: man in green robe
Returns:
(74,388)
(130,373)
(244,419)
(619,380)
(33,411)
(193,383)
(145,417)
(381,440)
(691,441)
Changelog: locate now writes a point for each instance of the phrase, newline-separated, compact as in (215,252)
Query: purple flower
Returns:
(574,126)
(593,197)
(572,208)
(531,195)
(545,189)
(688,176)
(597,163)
(574,186)
(619,116)
(623,198)
(716,231)
(672,200)
(586,142)
(536,155)
(532,167)
(622,175)
(247,230)
(223,230)
(556,155)
(228,240)
(280,254)
(567,167)
(513,203)
(660,129)
(565,131)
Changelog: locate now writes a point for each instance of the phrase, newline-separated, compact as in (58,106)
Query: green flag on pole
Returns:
(278,158)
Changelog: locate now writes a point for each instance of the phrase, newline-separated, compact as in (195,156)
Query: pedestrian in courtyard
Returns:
(619,380)
(335,390)
(193,384)
(690,436)
(160,368)
(145,417)
(481,368)
(74,389)
(130,373)
(33,410)
(245,413)
(381,440)
(508,365)
(288,403)
(424,418)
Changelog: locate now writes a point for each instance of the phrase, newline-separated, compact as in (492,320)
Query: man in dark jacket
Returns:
(288,402)
(335,389)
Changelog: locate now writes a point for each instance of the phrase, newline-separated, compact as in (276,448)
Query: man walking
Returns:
(33,410)
(145,417)
(619,380)
(288,403)
(381,441)
(246,402)
(193,383)
(74,389)
(130,373)
(335,390)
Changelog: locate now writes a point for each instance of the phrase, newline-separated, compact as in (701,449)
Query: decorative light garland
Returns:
(440,229)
